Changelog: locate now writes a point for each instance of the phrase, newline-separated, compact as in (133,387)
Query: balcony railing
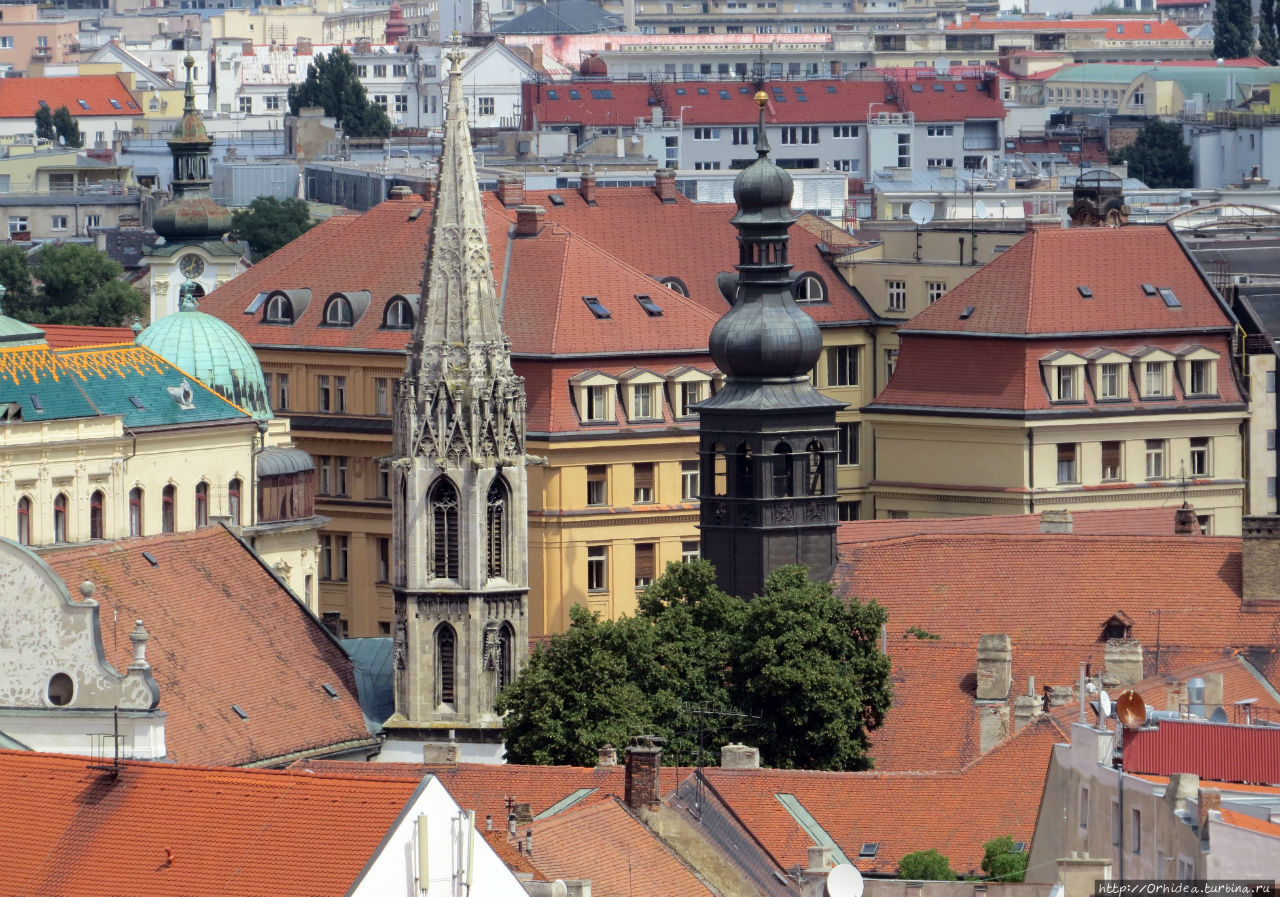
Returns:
(980,143)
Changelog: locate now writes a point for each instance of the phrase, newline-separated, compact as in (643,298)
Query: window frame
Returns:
(895,292)
(1156,456)
(849,450)
(844,365)
(598,568)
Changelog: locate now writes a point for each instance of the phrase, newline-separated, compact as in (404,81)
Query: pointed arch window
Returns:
(135,511)
(24,521)
(446,668)
(202,504)
(815,479)
(783,471)
(496,514)
(233,499)
(506,655)
(60,517)
(97,503)
(444,531)
(169,509)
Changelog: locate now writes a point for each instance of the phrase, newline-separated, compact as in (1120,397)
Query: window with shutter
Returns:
(645,561)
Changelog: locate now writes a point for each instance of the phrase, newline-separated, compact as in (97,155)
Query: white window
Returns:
(904,150)
(890,363)
(936,289)
(690,480)
(597,485)
(1155,378)
(808,288)
(599,404)
(941,162)
(484,105)
(1109,381)
(849,433)
(399,71)
(1067,462)
(844,132)
(246,104)
(1155,458)
(843,365)
(646,560)
(1067,379)
(382,396)
(1200,377)
(1200,456)
(706,133)
(58,222)
(643,477)
(381,100)
(6,43)
(597,568)
(745,136)
(380,71)
(896,291)
(402,102)
(940,130)
(1084,806)
(691,392)
(706,166)
(1111,460)
(644,401)
(18,223)
(271,103)
(690,551)
(92,221)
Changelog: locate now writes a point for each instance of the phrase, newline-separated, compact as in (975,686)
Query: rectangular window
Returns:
(706,133)
(484,105)
(246,104)
(384,559)
(1108,381)
(691,393)
(380,71)
(18,224)
(643,474)
(1155,458)
(896,290)
(333,557)
(324,475)
(599,405)
(1271,381)
(271,103)
(643,403)
(1201,378)
(940,162)
(802,135)
(844,132)
(1084,806)
(849,432)
(402,102)
(890,363)
(324,392)
(842,365)
(1117,824)
(400,71)
(6,43)
(1271,440)
(706,166)
(848,510)
(745,136)
(597,568)
(940,130)
(1153,378)
(690,480)
(646,553)
(384,479)
(937,289)
(58,222)
(382,396)
(1111,460)
(92,221)
(690,551)
(1067,381)
(904,150)
(340,395)
(1271,488)
(597,485)
(1200,456)
(282,392)
(1066,462)
(1135,830)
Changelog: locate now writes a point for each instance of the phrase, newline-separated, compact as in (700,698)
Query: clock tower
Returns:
(192,224)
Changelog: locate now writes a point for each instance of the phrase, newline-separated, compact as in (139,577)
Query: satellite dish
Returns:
(921,212)
(942,65)
(1131,710)
(980,210)
(1218,716)
(845,881)
(1104,704)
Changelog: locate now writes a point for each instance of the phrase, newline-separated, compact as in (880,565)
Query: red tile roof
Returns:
(224,631)
(601,841)
(1252,823)
(21,97)
(71,829)
(1134,29)
(1088,522)
(953,812)
(67,336)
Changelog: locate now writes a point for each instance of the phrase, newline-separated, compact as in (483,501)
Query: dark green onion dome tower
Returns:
(191,214)
(768,438)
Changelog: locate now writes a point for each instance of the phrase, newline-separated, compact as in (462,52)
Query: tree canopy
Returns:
(1002,862)
(1232,28)
(333,85)
(1269,31)
(58,126)
(925,865)
(802,666)
(269,223)
(78,285)
(1158,156)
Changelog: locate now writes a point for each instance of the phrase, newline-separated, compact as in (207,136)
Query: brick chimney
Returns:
(528,220)
(304,47)
(429,189)
(607,756)
(641,777)
(510,190)
(1210,803)
(995,659)
(739,756)
(587,187)
(400,191)
(664,184)
(993,725)
(1185,522)
(1056,522)
(1261,558)
(1122,661)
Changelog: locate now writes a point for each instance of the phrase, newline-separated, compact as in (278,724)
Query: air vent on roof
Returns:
(413,216)
(1085,292)
(1149,289)
(137,403)
(556,199)
(239,711)
(1169,299)
(35,402)
(596,308)
(868,850)
(329,690)
(151,559)
(968,311)
(651,308)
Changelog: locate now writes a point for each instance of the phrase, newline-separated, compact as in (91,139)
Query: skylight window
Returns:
(702,91)
(968,312)
(652,309)
(36,403)
(869,850)
(329,690)
(552,95)
(680,91)
(801,98)
(831,88)
(603,93)
(151,559)
(115,104)
(939,88)
(724,94)
(1085,292)
(43,104)
(413,216)
(256,303)
(960,88)
(596,308)
(1169,299)
(137,403)
(1148,289)
(556,199)
(917,88)
(744,90)
(239,711)
(575,95)
(83,104)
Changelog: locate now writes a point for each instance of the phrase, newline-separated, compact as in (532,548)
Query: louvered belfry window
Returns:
(444,531)
(497,522)
(445,664)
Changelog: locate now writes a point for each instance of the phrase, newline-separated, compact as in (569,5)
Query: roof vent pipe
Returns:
(1195,696)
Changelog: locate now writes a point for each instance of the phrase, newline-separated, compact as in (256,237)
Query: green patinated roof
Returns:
(15,333)
(213,351)
(1211,81)
(130,381)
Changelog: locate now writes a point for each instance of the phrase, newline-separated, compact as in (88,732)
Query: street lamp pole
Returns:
(680,138)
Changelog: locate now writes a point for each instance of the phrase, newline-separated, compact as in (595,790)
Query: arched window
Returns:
(445,664)
(719,470)
(443,541)
(809,287)
(506,655)
(497,529)
(169,509)
(24,521)
(96,503)
(279,310)
(135,511)
(815,480)
(233,500)
(60,517)
(338,312)
(202,504)
(783,470)
(745,486)
(399,315)
(675,285)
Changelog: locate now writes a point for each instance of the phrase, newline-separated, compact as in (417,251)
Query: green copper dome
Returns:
(210,350)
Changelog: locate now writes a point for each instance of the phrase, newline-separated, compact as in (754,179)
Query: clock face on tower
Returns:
(191,265)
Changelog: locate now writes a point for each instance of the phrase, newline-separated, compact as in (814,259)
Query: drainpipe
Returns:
(1031,472)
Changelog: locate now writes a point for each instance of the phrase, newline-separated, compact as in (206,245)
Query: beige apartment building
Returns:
(27,39)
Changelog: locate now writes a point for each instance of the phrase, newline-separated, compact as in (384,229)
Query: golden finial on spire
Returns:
(762,99)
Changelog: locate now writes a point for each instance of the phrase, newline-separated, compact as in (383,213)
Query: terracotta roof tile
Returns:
(157,828)
(1134,29)
(67,336)
(1089,522)
(20,97)
(223,631)
(1243,820)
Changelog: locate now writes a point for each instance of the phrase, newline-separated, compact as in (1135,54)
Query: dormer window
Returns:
(687,386)
(399,315)
(338,312)
(1110,375)
(644,400)
(1064,375)
(1197,367)
(1068,377)
(809,287)
(1155,378)
(593,393)
(279,310)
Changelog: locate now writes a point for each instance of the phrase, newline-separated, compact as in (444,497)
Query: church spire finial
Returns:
(189,101)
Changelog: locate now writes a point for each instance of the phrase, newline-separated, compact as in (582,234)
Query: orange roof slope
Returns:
(72,830)
(86,96)
(69,336)
(601,841)
(952,812)
(224,631)
(1089,522)
(1133,29)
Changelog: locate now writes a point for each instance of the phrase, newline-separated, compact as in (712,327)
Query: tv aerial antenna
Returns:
(702,710)
(921,213)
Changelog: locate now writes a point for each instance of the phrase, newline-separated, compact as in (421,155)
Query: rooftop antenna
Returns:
(921,213)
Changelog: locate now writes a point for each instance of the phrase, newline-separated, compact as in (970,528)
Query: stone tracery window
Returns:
(496,529)
(443,539)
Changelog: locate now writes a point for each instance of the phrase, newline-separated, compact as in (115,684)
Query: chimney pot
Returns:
(400,191)
(1210,800)
(995,659)
(739,756)
(510,190)
(1261,558)
(587,187)
(664,184)
(1185,522)
(429,189)
(1122,661)
(641,777)
(607,756)
(528,220)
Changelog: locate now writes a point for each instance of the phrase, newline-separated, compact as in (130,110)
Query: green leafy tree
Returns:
(269,223)
(690,643)
(1158,156)
(1269,31)
(67,127)
(925,865)
(15,274)
(1002,862)
(78,285)
(44,124)
(1232,28)
(333,85)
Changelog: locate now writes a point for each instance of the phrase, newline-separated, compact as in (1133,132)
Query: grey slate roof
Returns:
(562,17)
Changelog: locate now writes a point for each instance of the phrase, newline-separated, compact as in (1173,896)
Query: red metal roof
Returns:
(85,96)
(1210,750)
(1133,29)
(69,336)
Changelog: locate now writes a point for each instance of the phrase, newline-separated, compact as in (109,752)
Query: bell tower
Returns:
(768,438)
(459,502)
